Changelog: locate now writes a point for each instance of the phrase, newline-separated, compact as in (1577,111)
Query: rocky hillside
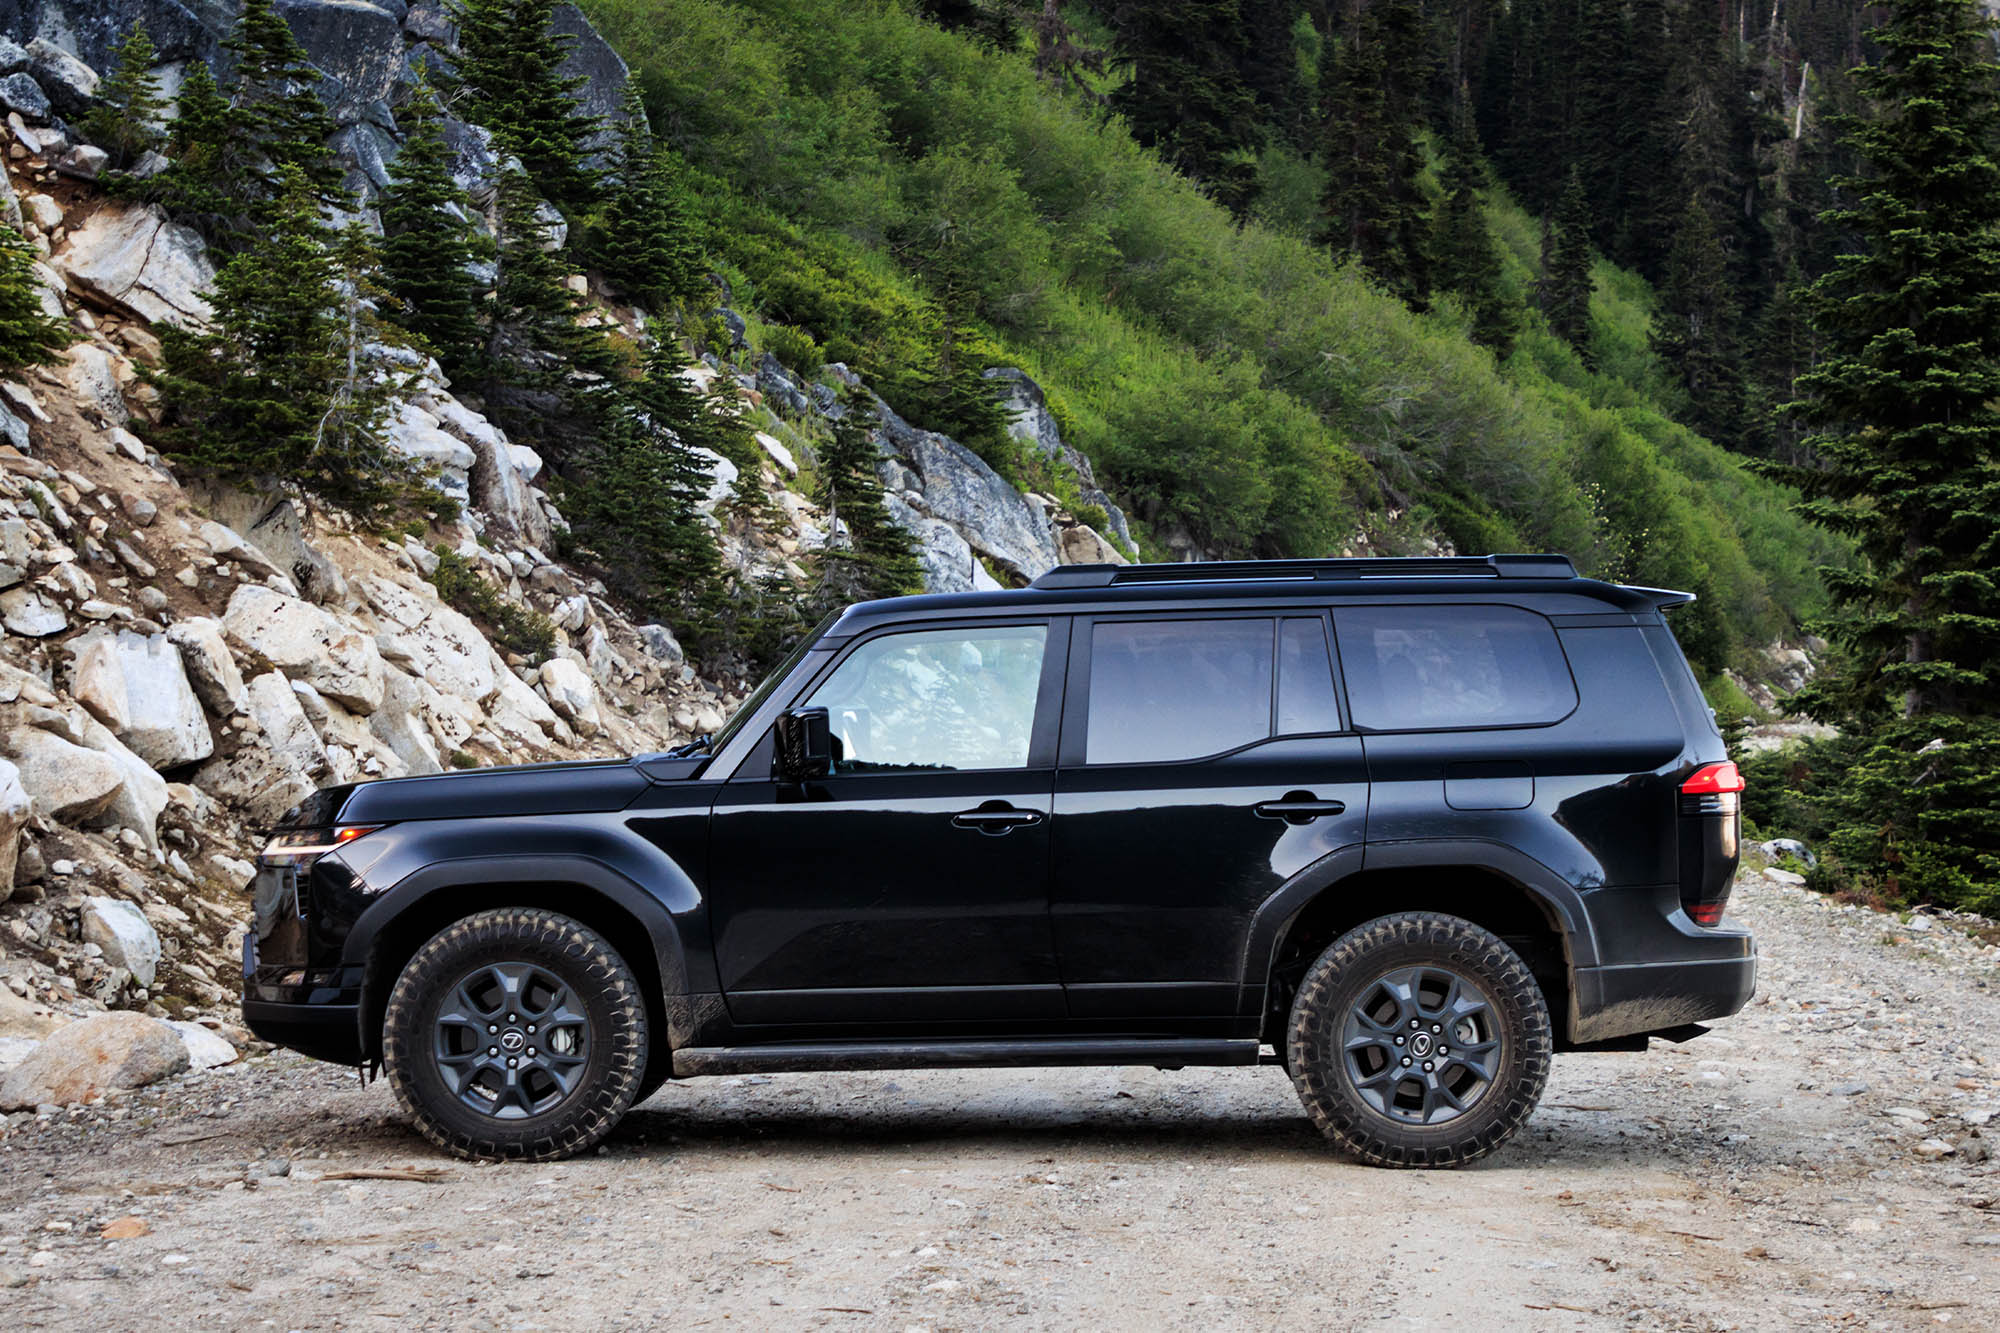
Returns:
(182,662)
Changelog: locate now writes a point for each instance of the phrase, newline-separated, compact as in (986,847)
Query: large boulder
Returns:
(444,647)
(123,933)
(211,668)
(93,378)
(416,434)
(948,563)
(64,781)
(70,83)
(957,486)
(277,767)
(142,794)
(135,685)
(1032,423)
(356,44)
(572,693)
(399,724)
(266,528)
(307,643)
(592,59)
(206,1049)
(134,260)
(29,613)
(86,1059)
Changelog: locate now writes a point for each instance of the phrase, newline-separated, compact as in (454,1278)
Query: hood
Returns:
(524,789)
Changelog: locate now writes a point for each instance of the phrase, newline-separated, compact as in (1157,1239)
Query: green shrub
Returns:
(794,348)
(516,628)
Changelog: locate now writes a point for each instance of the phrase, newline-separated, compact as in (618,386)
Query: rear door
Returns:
(909,888)
(1205,760)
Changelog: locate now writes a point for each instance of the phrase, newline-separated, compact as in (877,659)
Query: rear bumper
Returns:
(1624,999)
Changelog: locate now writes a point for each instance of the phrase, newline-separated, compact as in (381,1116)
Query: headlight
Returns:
(301,847)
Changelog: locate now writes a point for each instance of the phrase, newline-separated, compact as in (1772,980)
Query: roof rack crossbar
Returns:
(1415,567)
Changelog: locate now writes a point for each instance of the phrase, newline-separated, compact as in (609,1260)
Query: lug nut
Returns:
(493,1050)
(531,1028)
(531,1051)
(512,1062)
(1406,1062)
(1415,1024)
(512,1018)
(1427,1066)
(1399,1041)
(491,1028)
(1436,1028)
(1444,1050)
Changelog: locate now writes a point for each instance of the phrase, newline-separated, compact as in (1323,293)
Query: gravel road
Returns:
(1814,1161)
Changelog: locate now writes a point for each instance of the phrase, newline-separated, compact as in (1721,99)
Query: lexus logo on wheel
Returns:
(512,1041)
(1419,1044)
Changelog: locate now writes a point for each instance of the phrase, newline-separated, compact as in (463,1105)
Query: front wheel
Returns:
(517,1034)
(1419,1039)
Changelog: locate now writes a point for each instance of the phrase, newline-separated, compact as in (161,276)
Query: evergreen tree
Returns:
(1903,404)
(1564,287)
(874,556)
(1269,68)
(548,377)
(199,186)
(430,244)
(1374,206)
(509,69)
(996,22)
(648,247)
(951,394)
(1694,327)
(631,501)
(1648,134)
(1781,349)
(125,119)
(1185,95)
(276,117)
(28,337)
(278,385)
(1468,262)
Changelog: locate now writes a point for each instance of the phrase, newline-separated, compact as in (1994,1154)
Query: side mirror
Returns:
(804,745)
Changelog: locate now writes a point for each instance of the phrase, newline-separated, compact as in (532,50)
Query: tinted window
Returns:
(947,699)
(1305,679)
(1416,667)
(1177,689)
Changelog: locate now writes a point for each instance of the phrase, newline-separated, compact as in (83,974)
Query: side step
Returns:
(805,1057)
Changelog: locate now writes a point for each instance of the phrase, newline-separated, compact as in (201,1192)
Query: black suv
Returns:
(1408,826)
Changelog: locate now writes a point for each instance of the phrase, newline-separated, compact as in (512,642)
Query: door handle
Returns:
(996,818)
(1298,807)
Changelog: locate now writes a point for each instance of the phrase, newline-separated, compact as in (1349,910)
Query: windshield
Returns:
(750,705)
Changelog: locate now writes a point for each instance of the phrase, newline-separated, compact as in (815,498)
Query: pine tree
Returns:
(548,377)
(867,554)
(951,394)
(1694,327)
(1468,262)
(1185,95)
(1564,289)
(1374,206)
(278,385)
(430,243)
(125,119)
(199,186)
(648,246)
(1061,59)
(1782,348)
(509,69)
(28,337)
(631,502)
(1908,435)
(1269,68)
(276,113)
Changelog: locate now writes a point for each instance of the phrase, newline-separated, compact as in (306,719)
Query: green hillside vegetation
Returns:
(853,164)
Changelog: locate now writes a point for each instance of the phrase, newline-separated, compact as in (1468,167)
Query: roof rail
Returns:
(1417,567)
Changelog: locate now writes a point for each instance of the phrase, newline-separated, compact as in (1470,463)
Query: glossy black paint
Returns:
(965,917)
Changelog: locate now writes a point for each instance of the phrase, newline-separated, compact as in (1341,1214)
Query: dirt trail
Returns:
(1745,1180)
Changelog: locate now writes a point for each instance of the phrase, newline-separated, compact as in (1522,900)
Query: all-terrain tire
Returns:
(603,1015)
(1348,996)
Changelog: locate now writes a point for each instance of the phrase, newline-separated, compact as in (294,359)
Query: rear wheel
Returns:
(515,1033)
(1419,1039)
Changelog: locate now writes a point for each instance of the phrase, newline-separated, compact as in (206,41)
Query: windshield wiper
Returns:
(692,749)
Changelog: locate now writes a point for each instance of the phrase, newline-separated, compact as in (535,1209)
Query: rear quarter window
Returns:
(1428,668)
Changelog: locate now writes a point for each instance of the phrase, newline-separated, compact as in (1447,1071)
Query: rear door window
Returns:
(1177,689)
(1418,668)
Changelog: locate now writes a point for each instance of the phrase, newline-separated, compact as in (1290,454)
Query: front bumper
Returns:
(314,1013)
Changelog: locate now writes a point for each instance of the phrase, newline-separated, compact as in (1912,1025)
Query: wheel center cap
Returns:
(512,1040)
(1420,1044)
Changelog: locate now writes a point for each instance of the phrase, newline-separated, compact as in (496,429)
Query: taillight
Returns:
(1712,779)
(1705,914)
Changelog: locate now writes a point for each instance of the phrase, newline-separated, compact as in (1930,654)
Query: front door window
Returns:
(942,700)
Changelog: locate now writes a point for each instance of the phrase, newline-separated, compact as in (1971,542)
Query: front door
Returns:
(909,888)
(1205,762)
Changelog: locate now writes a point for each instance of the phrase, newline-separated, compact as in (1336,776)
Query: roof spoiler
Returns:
(1664,599)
